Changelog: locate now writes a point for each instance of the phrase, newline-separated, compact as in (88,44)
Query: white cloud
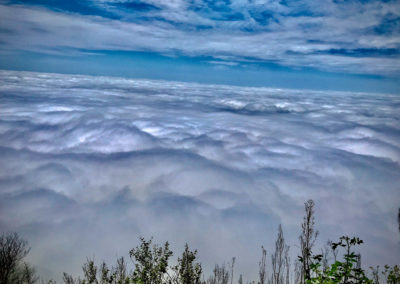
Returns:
(90,163)
(292,40)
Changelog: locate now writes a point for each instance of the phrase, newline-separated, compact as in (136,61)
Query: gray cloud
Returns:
(90,163)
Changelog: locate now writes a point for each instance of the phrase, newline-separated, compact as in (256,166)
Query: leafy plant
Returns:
(346,271)
(187,271)
(151,262)
(392,274)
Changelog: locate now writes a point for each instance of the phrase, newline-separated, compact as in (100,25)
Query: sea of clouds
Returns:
(89,164)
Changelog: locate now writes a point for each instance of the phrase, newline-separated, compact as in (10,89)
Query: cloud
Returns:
(340,36)
(91,163)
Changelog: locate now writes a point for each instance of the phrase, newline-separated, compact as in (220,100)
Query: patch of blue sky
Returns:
(300,8)
(264,17)
(136,6)
(366,52)
(357,52)
(217,10)
(196,69)
(390,24)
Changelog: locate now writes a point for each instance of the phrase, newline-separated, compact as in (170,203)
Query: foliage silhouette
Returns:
(307,240)
(12,270)
(151,264)
(346,271)
(187,271)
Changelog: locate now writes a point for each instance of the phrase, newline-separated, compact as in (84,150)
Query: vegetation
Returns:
(187,271)
(12,269)
(307,240)
(151,264)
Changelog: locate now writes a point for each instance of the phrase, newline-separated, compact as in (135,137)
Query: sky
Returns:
(348,45)
(89,164)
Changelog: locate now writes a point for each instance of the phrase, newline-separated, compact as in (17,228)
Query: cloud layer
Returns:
(341,36)
(90,163)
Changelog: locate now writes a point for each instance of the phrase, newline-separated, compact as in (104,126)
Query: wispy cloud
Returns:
(94,162)
(291,33)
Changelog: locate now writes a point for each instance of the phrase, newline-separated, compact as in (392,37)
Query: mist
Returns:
(89,164)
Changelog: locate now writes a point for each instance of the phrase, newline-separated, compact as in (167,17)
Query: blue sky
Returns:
(342,44)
